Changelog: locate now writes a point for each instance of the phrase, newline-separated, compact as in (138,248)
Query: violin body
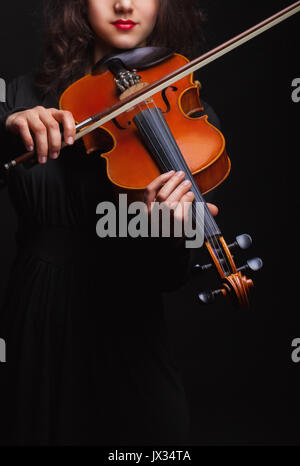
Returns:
(129,164)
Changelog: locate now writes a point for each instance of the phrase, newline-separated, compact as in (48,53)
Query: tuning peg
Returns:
(208,297)
(204,268)
(242,242)
(201,268)
(254,265)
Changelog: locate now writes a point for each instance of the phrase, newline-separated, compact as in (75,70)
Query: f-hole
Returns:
(115,122)
(165,99)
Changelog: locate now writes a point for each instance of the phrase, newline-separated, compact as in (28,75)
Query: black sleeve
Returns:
(11,145)
(21,94)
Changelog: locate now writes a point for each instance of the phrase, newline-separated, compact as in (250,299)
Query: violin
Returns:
(130,109)
(157,136)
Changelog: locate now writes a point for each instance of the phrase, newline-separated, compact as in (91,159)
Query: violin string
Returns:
(212,239)
(172,164)
(214,242)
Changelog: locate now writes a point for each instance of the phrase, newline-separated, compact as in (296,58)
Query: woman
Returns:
(87,356)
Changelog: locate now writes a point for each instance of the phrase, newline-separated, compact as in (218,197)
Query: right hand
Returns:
(40,131)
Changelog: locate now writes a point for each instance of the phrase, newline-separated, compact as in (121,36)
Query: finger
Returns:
(53,133)
(20,126)
(66,118)
(177,194)
(170,186)
(40,136)
(213,209)
(153,188)
(183,206)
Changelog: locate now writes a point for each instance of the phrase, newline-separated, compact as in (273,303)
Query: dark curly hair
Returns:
(69,38)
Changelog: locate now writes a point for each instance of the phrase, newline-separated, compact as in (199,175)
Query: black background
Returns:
(240,379)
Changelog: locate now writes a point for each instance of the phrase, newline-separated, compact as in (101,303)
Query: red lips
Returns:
(124,24)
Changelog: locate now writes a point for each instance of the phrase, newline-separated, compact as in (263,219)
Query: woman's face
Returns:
(102,15)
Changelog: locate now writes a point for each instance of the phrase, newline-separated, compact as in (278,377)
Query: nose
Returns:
(124,6)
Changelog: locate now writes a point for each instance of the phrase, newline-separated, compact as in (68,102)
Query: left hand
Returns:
(173,191)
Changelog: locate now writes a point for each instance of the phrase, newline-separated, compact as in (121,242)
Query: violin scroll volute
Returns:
(235,285)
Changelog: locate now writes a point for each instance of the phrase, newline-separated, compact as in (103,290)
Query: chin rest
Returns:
(139,58)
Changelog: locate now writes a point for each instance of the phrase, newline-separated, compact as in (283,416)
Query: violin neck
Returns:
(162,145)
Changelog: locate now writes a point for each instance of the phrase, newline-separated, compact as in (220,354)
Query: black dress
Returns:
(87,345)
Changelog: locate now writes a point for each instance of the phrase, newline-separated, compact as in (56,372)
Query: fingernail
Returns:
(70,140)
(55,155)
(43,159)
(172,171)
(179,173)
(186,183)
(30,148)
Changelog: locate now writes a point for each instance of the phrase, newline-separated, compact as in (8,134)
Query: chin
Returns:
(130,44)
